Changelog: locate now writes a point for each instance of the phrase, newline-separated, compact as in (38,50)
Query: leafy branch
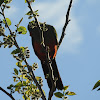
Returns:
(12,38)
(7,93)
(64,94)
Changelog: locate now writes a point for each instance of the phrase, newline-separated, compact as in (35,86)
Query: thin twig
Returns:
(7,93)
(66,23)
(6,21)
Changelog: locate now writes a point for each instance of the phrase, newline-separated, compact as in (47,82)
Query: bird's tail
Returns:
(59,84)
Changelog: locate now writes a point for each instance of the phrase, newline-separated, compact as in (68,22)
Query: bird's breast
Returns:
(39,51)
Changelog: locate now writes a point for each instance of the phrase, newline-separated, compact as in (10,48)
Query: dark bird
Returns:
(50,39)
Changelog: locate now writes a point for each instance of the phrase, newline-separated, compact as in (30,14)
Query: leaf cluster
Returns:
(33,25)
(21,53)
(24,83)
(5,2)
(22,77)
(65,94)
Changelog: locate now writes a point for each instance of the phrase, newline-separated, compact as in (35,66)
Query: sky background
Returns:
(78,58)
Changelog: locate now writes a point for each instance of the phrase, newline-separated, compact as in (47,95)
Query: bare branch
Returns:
(66,23)
(7,93)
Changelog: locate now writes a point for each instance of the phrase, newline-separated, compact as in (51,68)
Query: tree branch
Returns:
(6,21)
(66,23)
(48,60)
(29,68)
(7,93)
(51,75)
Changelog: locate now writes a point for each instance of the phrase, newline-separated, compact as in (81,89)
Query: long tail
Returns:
(59,84)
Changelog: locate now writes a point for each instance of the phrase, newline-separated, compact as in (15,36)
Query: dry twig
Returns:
(66,23)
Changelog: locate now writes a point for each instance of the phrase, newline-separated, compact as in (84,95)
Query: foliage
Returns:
(30,1)
(22,77)
(64,94)
(97,85)
(24,83)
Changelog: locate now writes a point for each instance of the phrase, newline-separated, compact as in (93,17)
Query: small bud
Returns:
(19,32)
(10,46)
(5,26)
(19,55)
(5,38)
(5,46)
(26,47)
(1,21)
(17,58)
(28,51)
(27,56)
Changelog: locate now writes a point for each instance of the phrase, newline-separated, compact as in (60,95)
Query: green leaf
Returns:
(18,50)
(7,6)
(70,93)
(19,64)
(29,13)
(16,71)
(1,1)
(65,97)
(22,30)
(9,87)
(7,1)
(15,51)
(38,78)
(17,89)
(19,84)
(30,17)
(65,87)
(22,49)
(98,89)
(24,76)
(96,85)
(27,98)
(5,45)
(14,79)
(8,21)
(58,94)
(30,1)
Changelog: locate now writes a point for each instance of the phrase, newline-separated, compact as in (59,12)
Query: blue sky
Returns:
(79,54)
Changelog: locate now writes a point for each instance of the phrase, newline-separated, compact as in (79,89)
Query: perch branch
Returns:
(47,53)
(66,23)
(7,93)
(53,81)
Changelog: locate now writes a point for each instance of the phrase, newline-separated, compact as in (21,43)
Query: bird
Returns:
(50,40)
